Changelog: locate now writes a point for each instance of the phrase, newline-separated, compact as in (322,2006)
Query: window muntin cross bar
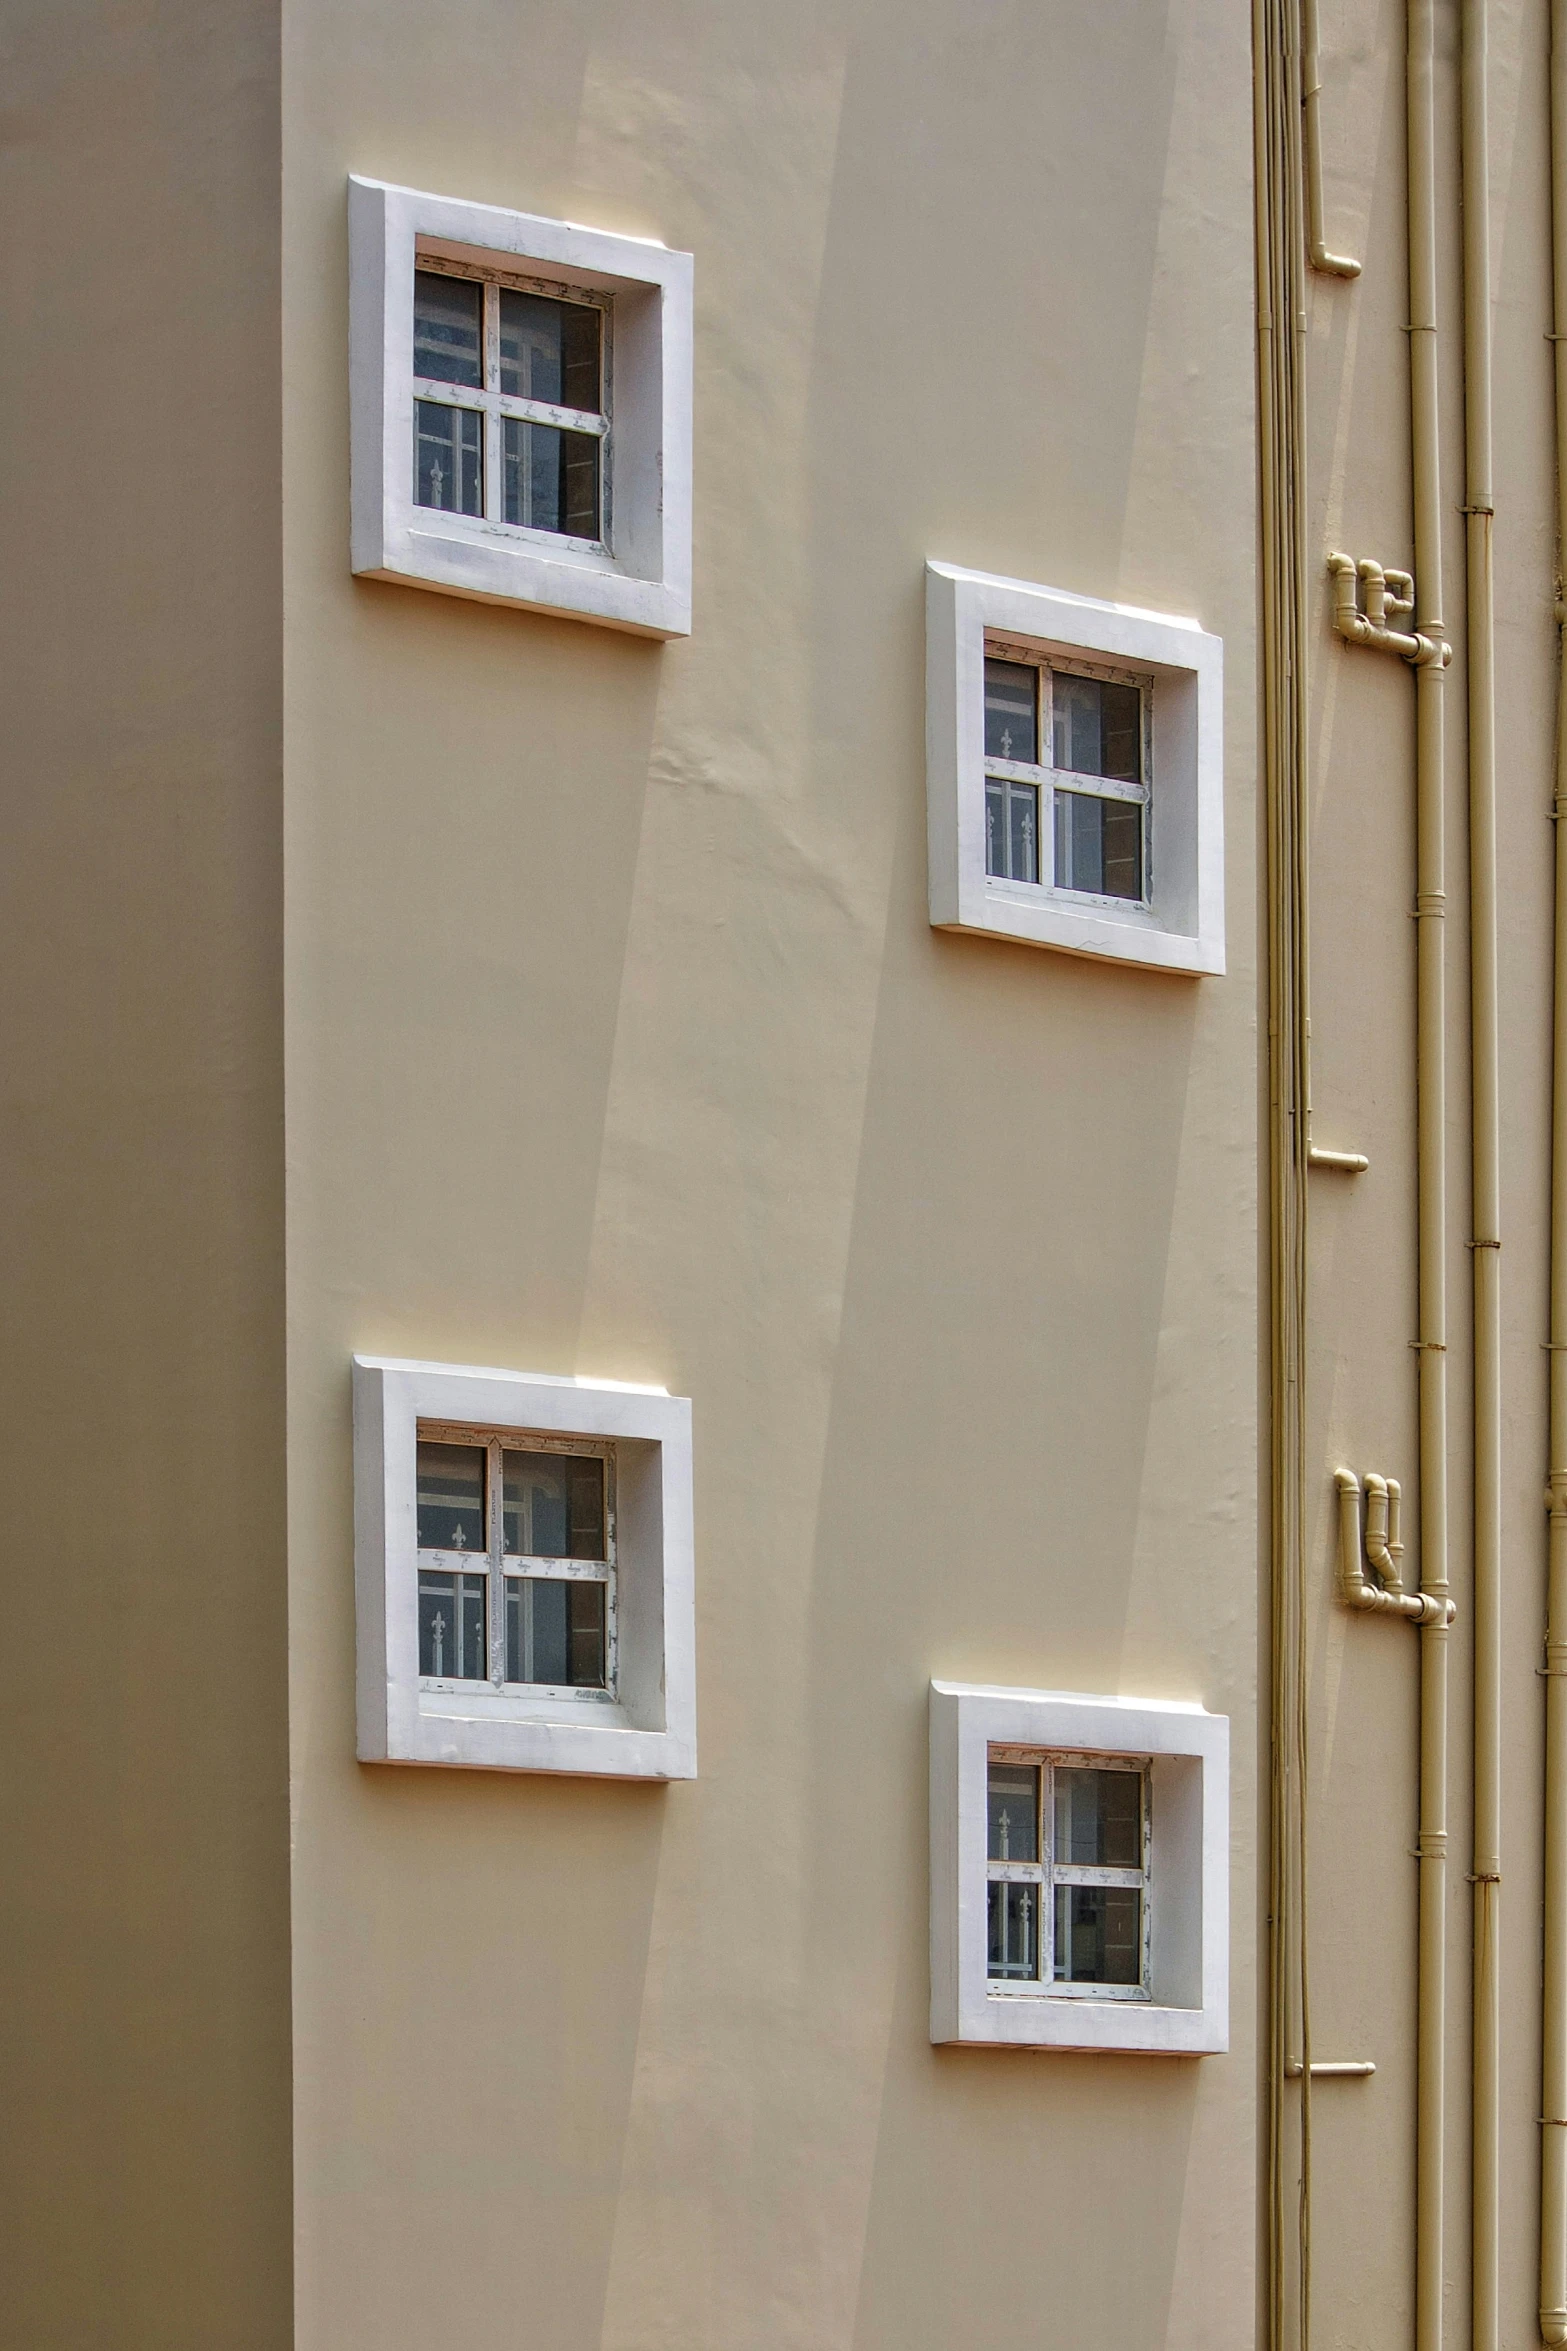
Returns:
(1067,765)
(1068,1874)
(542,1620)
(511,421)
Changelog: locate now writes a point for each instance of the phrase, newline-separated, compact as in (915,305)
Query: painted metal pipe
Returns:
(1485,1183)
(1386,1595)
(1333,265)
(1431,1171)
(1284,646)
(1553,2087)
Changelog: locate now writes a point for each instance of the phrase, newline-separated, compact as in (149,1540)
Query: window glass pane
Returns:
(451,1497)
(553,1505)
(1099,1817)
(1096,728)
(550,350)
(453,1644)
(1014,1812)
(1011,707)
(555,1632)
(448,459)
(1099,845)
(1011,829)
(1014,1931)
(551,479)
(1099,1935)
(448,318)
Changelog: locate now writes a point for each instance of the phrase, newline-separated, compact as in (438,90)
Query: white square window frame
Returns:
(639,579)
(1180,926)
(646,1727)
(1186,1749)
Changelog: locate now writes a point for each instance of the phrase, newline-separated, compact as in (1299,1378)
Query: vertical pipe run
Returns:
(1553,2107)
(1281,323)
(1486,1186)
(1333,265)
(1430,907)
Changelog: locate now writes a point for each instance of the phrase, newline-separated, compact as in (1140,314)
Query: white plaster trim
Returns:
(1188,2013)
(642,582)
(648,1731)
(1181,929)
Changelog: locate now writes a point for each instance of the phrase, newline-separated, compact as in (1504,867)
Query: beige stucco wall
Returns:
(144,2028)
(619,1043)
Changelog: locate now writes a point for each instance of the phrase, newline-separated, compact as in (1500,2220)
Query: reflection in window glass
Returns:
(448,317)
(1096,727)
(1099,1934)
(453,1637)
(451,1497)
(1098,1817)
(550,478)
(1099,845)
(1014,1812)
(1011,706)
(550,351)
(1014,1929)
(555,1632)
(448,460)
(1011,829)
(553,1505)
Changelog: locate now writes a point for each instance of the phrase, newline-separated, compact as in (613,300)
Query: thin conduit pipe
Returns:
(1553,2106)
(1431,1196)
(1485,1181)
(1333,265)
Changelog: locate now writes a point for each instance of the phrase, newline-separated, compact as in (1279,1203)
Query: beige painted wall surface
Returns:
(619,1043)
(1364,1673)
(144,2028)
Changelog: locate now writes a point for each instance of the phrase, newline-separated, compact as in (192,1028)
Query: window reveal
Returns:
(509,408)
(516,1561)
(1066,779)
(1067,1874)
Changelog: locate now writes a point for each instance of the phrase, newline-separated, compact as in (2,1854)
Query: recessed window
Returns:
(516,1561)
(1067,1873)
(1066,778)
(521,401)
(1078,1859)
(1074,773)
(509,411)
(523,1561)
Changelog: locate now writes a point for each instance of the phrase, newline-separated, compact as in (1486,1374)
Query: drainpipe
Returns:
(1486,1184)
(1431,1183)
(1383,1591)
(1278,120)
(1553,2108)
(1333,265)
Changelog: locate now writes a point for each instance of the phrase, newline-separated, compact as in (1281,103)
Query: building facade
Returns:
(740,1263)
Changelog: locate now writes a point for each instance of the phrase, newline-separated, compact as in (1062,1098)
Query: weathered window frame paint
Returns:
(637,577)
(642,1728)
(1186,2008)
(1179,926)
